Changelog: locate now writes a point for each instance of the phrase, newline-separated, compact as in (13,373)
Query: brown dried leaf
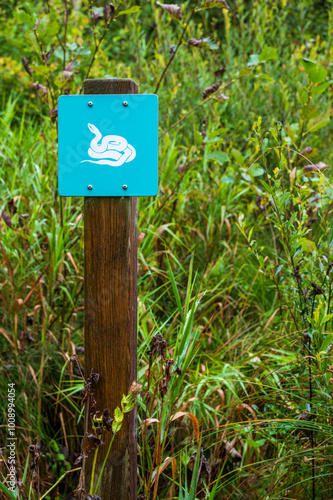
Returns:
(316,290)
(307,150)
(211,89)
(160,230)
(157,472)
(163,386)
(158,346)
(231,451)
(21,219)
(53,112)
(259,204)
(26,66)
(205,470)
(244,406)
(219,71)
(69,66)
(195,42)
(88,393)
(96,16)
(172,9)
(107,420)
(108,12)
(181,168)
(11,206)
(149,421)
(79,460)
(204,467)
(67,75)
(135,389)
(40,89)
(47,55)
(181,414)
(7,219)
(141,237)
(223,97)
(89,443)
(26,337)
(314,168)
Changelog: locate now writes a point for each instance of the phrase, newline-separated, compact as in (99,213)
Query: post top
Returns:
(110,86)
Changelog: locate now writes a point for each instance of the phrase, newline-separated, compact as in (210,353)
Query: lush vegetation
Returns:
(235,252)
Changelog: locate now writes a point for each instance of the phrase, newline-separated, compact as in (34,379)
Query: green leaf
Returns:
(132,10)
(244,72)
(328,338)
(197,138)
(118,415)
(264,144)
(256,444)
(302,94)
(310,111)
(266,186)
(4,488)
(268,54)
(31,39)
(48,27)
(195,475)
(227,180)
(25,18)
(307,245)
(116,426)
(238,156)
(218,156)
(253,60)
(319,122)
(321,88)
(315,72)
(278,270)
(71,46)
(256,171)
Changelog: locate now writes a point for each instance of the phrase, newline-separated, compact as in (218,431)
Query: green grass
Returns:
(252,341)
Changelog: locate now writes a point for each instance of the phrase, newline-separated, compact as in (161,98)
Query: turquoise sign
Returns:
(108,145)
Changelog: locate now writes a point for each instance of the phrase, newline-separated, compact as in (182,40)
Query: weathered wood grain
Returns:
(110,335)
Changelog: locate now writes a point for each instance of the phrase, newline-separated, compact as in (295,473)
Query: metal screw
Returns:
(90,104)
(125,103)
(124,187)
(90,187)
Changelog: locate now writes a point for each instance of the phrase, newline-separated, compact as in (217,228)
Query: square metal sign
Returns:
(108,145)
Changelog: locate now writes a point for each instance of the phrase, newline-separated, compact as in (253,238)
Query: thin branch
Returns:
(176,49)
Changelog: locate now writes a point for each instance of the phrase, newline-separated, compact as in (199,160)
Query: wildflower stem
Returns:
(93,471)
(105,459)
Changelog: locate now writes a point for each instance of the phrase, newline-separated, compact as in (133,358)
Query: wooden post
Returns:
(110,335)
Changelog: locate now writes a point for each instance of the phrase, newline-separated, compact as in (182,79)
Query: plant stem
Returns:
(60,479)
(176,49)
(310,398)
(105,459)
(93,471)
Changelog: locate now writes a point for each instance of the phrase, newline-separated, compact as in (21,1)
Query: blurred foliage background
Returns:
(235,252)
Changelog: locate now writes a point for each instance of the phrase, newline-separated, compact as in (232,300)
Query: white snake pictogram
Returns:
(112,150)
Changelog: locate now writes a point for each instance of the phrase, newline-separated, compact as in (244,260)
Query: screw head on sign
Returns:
(125,103)
(124,187)
(90,187)
(90,104)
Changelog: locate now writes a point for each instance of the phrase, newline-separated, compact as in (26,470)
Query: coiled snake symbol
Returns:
(112,150)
